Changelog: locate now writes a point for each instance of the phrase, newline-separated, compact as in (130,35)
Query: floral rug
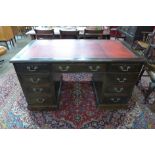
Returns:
(77,107)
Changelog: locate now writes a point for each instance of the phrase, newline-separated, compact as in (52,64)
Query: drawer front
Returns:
(121,78)
(78,68)
(35,80)
(124,67)
(119,89)
(39,99)
(32,68)
(39,89)
(115,99)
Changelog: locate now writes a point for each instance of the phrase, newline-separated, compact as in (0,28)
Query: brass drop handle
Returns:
(32,68)
(64,68)
(34,80)
(40,100)
(121,80)
(94,69)
(37,89)
(118,90)
(124,68)
(115,100)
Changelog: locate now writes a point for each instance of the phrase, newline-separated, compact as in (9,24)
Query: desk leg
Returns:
(56,91)
(94,84)
(15,39)
(97,83)
(12,42)
(6,43)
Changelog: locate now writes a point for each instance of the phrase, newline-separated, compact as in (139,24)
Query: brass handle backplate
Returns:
(32,68)
(94,69)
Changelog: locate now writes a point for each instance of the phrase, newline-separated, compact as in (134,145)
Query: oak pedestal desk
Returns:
(40,65)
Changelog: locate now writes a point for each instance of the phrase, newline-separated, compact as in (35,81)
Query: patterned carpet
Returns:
(77,107)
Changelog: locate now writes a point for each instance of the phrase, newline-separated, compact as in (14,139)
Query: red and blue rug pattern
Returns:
(77,108)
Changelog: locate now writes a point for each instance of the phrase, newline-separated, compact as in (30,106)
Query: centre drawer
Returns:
(79,67)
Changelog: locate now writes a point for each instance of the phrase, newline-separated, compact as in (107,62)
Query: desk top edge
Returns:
(17,57)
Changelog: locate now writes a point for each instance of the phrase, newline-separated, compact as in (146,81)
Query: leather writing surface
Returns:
(75,49)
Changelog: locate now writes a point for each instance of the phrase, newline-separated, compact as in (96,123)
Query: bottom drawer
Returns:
(115,100)
(39,100)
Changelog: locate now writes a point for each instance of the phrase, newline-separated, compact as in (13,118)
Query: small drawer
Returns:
(115,100)
(35,80)
(124,67)
(41,89)
(121,78)
(78,67)
(39,99)
(30,68)
(119,89)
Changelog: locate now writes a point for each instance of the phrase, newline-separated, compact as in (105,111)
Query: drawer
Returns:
(35,79)
(39,99)
(124,67)
(118,89)
(78,67)
(29,68)
(39,89)
(121,78)
(115,100)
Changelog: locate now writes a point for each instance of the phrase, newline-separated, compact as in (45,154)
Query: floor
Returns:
(21,41)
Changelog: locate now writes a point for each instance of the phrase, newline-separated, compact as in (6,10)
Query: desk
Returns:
(40,65)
